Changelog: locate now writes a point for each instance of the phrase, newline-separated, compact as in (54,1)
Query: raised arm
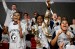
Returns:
(5,5)
(48,8)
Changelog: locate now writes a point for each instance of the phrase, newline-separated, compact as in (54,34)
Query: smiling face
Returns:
(16,16)
(54,16)
(64,25)
(14,7)
(39,20)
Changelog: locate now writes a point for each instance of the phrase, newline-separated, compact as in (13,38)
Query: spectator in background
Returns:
(57,27)
(59,19)
(72,29)
(53,22)
(9,13)
(64,18)
(27,23)
(5,37)
(33,19)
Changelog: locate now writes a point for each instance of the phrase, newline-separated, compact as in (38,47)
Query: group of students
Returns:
(48,32)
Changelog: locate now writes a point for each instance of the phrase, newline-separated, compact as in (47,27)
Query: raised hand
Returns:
(59,32)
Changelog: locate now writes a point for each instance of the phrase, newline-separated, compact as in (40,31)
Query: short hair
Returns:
(63,20)
(26,13)
(14,4)
(41,16)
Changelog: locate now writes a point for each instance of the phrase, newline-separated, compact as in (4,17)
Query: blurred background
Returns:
(61,7)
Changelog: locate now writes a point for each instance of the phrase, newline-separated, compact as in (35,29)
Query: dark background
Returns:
(66,9)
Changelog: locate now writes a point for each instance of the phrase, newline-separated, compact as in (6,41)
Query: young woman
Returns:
(16,33)
(62,36)
(43,43)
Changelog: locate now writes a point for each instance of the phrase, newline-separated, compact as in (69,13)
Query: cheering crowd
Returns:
(48,31)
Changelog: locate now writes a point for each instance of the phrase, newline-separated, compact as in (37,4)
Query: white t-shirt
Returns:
(42,37)
(15,41)
(64,38)
(72,26)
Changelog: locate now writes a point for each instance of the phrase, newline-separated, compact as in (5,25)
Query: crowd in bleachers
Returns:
(48,31)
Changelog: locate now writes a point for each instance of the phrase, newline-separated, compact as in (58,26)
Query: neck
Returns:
(15,22)
(64,31)
(40,24)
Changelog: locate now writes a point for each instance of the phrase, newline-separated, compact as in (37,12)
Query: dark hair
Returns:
(62,21)
(26,13)
(38,16)
(19,13)
(14,4)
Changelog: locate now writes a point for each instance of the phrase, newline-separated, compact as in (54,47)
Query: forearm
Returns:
(48,5)
(53,42)
(4,5)
(20,29)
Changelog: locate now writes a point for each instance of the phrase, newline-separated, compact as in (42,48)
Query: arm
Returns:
(5,5)
(53,42)
(55,38)
(48,9)
(20,29)
(48,3)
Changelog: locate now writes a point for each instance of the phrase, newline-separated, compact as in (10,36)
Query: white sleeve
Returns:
(23,28)
(5,5)
(51,11)
(72,35)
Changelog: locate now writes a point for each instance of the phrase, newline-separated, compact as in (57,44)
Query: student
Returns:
(16,33)
(5,37)
(27,23)
(72,26)
(33,19)
(62,37)
(72,29)
(40,34)
(9,13)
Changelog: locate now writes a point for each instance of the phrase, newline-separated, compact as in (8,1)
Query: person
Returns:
(72,29)
(5,37)
(59,19)
(33,19)
(40,36)
(9,13)
(53,22)
(62,37)
(27,22)
(16,31)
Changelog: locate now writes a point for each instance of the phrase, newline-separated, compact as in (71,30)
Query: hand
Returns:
(48,1)
(18,22)
(59,32)
(68,34)
(61,45)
